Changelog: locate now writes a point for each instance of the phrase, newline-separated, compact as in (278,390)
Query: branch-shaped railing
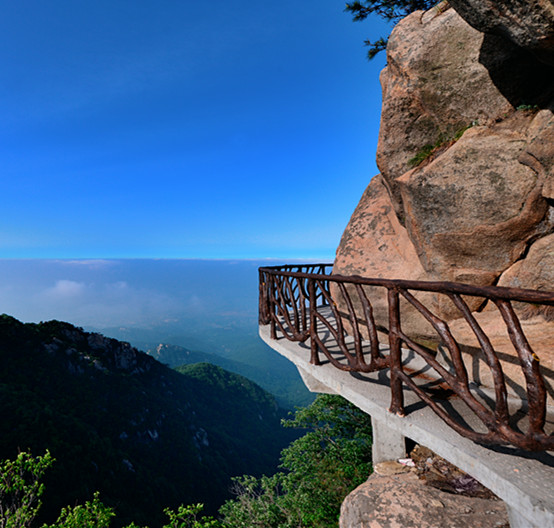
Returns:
(346,317)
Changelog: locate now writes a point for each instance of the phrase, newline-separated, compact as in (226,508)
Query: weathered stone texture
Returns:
(433,86)
(404,501)
(375,244)
(540,150)
(536,271)
(471,212)
(480,209)
(527,23)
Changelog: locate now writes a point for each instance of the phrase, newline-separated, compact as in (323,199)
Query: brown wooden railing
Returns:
(346,317)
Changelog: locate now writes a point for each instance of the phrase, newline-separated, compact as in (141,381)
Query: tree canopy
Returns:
(390,10)
(318,470)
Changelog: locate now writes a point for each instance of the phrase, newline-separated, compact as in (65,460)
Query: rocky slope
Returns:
(118,421)
(466,154)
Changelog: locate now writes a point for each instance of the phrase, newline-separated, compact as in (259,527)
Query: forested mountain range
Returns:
(118,421)
(234,346)
(265,367)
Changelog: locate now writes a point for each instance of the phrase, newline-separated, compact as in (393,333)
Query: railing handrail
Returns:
(291,297)
(491,292)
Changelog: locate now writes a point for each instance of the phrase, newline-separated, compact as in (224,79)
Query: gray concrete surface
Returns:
(388,443)
(525,481)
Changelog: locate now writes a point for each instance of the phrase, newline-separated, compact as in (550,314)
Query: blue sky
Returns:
(180,129)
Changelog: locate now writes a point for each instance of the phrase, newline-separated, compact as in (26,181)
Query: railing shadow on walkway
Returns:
(365,325)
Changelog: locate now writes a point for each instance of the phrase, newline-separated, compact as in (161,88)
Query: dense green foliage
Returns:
(144,437)
(91,515)
(254,363)
(119,422)
(390,10)
(319,470)
(21,489)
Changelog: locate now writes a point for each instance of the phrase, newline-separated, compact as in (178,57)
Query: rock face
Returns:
(375,244)
(530,23)
(433,86)
(471,209)
(466,155)
(403,501)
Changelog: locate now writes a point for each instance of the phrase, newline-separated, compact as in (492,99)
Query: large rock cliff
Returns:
(480,117)
(466,158)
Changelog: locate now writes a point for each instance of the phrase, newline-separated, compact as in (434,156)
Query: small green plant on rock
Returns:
(442,143)
(528,108)
(441,7)
(424,153)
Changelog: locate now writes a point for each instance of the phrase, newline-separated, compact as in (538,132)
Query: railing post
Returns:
(271,305)
(302,302)
(397,395)
(312,301)
(262,304)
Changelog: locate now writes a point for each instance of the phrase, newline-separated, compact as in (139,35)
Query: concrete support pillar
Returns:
(388,444)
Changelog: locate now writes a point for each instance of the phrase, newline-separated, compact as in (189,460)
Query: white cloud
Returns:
(88,263)
(102,304)
(66,289)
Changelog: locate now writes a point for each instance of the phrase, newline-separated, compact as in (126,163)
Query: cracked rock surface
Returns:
(466,185)
(433,494)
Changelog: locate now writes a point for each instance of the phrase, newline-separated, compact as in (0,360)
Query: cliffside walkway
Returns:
(346,336)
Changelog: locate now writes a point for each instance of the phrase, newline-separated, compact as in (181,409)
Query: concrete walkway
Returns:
(523,480)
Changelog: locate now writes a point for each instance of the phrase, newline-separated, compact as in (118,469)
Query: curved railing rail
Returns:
(345,317)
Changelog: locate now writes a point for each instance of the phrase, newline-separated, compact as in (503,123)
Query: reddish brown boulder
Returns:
(374,244)
(539,153)
(433,87)
(404,501)
(480,208)
(471,211)
(535,271)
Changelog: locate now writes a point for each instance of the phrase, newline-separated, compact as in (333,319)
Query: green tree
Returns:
(90,515)
(21,489)
(259,503)
(187,517)
(320,469)
(390,10)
